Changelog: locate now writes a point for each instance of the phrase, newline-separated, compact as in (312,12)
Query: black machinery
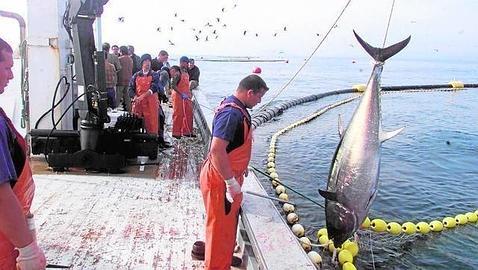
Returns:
(92,147)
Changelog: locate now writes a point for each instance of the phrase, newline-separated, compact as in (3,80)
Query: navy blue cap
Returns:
(184,59)
(144,57)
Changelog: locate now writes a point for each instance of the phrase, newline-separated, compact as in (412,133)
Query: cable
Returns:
(388,24)
(45,152)
(297,192)
(306,61)
(55,105)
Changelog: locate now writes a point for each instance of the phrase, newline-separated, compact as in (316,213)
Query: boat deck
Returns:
(149,217)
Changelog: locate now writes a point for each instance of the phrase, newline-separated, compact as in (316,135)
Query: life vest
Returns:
(149,106)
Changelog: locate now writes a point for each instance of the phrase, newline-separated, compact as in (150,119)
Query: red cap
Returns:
(257,70)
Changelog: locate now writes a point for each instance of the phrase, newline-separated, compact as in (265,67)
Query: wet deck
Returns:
(149,219)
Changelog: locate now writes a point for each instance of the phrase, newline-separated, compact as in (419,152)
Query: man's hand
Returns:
(232,189)
(31,257)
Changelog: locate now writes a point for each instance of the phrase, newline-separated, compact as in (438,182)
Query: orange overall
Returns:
(148,108)
(23,189)
(221,227)
(182,108)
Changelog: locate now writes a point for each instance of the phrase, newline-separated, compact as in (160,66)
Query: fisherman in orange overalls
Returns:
(223,171)
(18,245)
(142,87)
(181,98)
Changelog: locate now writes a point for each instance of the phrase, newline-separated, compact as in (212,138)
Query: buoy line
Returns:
(349,249)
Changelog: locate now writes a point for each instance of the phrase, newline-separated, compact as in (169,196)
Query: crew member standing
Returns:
(223,171)
(18,245)
(194,73)
(142,87)
(181,98)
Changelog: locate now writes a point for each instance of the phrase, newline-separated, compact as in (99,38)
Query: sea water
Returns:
(428,172)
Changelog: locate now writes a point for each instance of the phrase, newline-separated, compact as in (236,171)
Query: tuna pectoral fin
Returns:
(388,135)
(328,195)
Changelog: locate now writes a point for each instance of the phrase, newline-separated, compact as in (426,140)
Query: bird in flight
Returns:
(285,28)
(158,29)
(245,31)
(121,19)
(171,43)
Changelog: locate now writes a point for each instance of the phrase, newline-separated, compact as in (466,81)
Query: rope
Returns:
(371,250)
(388,24)
(306,61)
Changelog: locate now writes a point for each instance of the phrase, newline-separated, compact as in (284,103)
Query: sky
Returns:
(440,29)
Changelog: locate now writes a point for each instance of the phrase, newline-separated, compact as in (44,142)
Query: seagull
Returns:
(222,9)
(235,5)
(158,29)
(208,24)
(257,34)
(182,20)
(218,19)
(197,38)
(171,28)
(214,32)
(175,14)
(317,34)
(207,38)
(275,35)
(121,19)
(285,28)
(171,43)
(245,31)
(224,25)
(216,36)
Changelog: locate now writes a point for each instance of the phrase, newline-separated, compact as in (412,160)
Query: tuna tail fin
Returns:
(379,54)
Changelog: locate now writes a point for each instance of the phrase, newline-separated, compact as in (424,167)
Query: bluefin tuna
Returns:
(353,177)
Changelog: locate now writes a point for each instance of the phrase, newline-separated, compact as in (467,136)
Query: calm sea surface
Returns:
(422,177)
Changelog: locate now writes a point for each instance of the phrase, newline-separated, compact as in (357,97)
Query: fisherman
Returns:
(124,76)
(111,78)
(135,58)
(142,87)
(160,61)
(116,50)
(164,82)
(194,73)
(111,57)
(181,97)
(18,244)
(223,171)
